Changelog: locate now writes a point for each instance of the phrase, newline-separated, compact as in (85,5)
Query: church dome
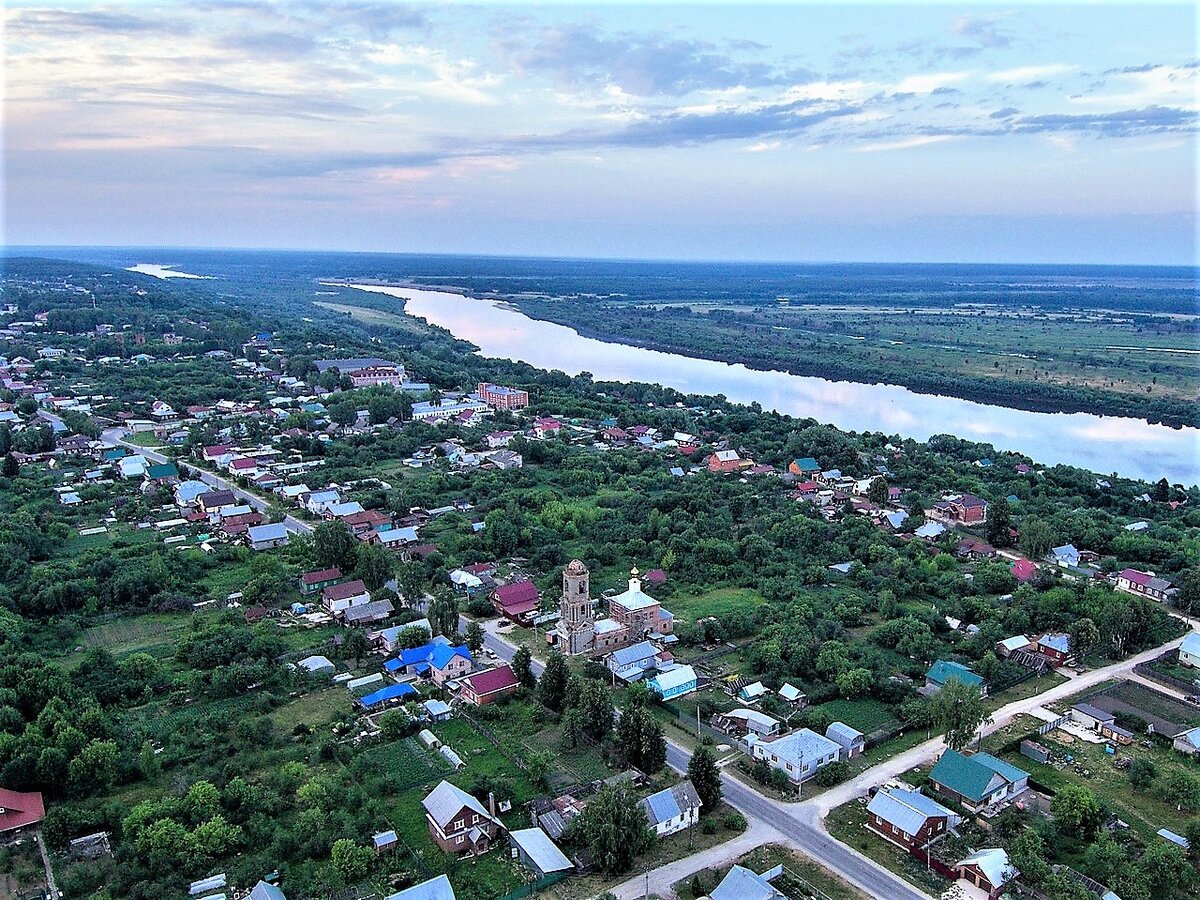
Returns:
(575,567)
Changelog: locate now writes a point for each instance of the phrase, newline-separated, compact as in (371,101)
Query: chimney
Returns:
(492,803)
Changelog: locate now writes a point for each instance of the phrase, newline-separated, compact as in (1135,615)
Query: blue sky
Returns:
(894,132)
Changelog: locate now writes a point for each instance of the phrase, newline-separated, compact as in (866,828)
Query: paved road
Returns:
(115,437)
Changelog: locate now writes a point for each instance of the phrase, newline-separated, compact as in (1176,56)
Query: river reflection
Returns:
(1131,447)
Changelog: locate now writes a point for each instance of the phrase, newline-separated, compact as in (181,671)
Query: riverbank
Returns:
(1105,444)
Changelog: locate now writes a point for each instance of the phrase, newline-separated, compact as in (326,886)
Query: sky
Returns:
(807,132)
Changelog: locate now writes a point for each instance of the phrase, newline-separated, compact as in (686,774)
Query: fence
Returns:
(535,887)
(1050,726)
(936,864)
(1147,670)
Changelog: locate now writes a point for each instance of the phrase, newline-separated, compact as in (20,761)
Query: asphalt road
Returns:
(115,437)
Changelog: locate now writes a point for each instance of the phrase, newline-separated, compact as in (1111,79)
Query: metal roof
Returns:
(994,864)
(670,803)
(445,801)
(742,884)
(907,810)
(544,853)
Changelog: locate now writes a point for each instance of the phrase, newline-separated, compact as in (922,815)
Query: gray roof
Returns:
(907,810)
(272,532)
(353,363)
(1093,711)
(993,862)
(265,891)
(444,802)
(670,803)
(434,889)
(634,653)
(843,734)
(803,744)
(742,884)
(376,609)
(536,844)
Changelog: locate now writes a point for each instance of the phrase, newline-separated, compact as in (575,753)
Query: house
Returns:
(500,397)
(437,710)
(546,427)
(793,695)
(752,693)
(187,493)
(337,598)
(1056,647)
(930,531)
(632,662)
(439,659)
(214,501)
(673,809)
(804,467)
(457,822)
(799,754)
(851,741)
(388,639)
(20,810)
(133,466)
(1189,650)
(725,461)
(943,671)
(1066,556)
(674,682)
(975,549)
(989,870)
(369,613)
(1146,584)
(318,501)
(517,602)
(434,889)
(446,409)
(1024,570)
(482,688)
(959,509)
(740,722)
(908,818)
(166,473)
(976,781)
(266,537)
(1014,644)
(537,852)
(1188,742)
(264,890)
(1091,717)
(316,582)
(742,884)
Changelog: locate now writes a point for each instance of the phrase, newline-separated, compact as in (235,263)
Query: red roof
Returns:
(481,568)
(344,591)
(520,593)
(1023,570)
(247,463)
(217,450)
(18,810)
(1135,577)
(321,575)
(493,680)
(367,517)
(656,576)
(423,550)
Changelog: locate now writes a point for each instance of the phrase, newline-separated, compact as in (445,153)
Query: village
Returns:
(455,601)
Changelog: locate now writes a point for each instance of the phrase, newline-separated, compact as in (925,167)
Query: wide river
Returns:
(1131,447)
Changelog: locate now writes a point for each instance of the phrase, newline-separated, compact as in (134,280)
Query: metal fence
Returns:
(535,887)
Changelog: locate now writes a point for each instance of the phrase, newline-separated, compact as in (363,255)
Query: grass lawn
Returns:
(153,633)
(372,316)
(864,714)
(718,602)
(315,710)
(847,823)
(1024,690)
(802,877)
(145,439)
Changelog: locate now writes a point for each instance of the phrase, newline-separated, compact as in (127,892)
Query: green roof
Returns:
(944,670)
(807,464)
(970,776)
(166,470)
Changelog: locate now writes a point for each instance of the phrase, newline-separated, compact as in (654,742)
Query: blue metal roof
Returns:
(391,692)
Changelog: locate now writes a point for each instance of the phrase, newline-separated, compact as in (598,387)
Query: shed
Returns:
(537,852)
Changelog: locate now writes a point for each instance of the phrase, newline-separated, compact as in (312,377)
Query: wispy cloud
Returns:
(909,143)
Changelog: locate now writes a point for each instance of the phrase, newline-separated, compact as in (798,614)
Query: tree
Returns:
(854,682)
(1085,635)
(475,637)
(552,688)
(355,646)
(614,828)
(410,578)
(574,724)
(443,615)
(593,698)
(1165,869)
(393,725)
(1076,811)
(705,777)
(215,837)
(1036,539)
(1161,491)
(148,762)
(1142,773)
(375,566)
(1028,856)
(351,860)
(10,466)
(877,491)
(958,711)
(334,546)
(94,768)
(522,666)
(999,520)
(1188,584)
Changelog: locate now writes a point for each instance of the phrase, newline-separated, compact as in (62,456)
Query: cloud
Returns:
(1030,73)
(1124,123)
(65,23)
(908,143)
(640,64)
(985,31)
(1006,113)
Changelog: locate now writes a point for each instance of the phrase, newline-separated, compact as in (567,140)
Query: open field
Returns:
(368,316)
(145,439)
(718,602)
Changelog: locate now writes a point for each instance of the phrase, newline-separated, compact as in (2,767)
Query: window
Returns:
(474,818)
(459,839)
(459,824)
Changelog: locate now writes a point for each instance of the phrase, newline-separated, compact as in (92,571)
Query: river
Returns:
(1131,447)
